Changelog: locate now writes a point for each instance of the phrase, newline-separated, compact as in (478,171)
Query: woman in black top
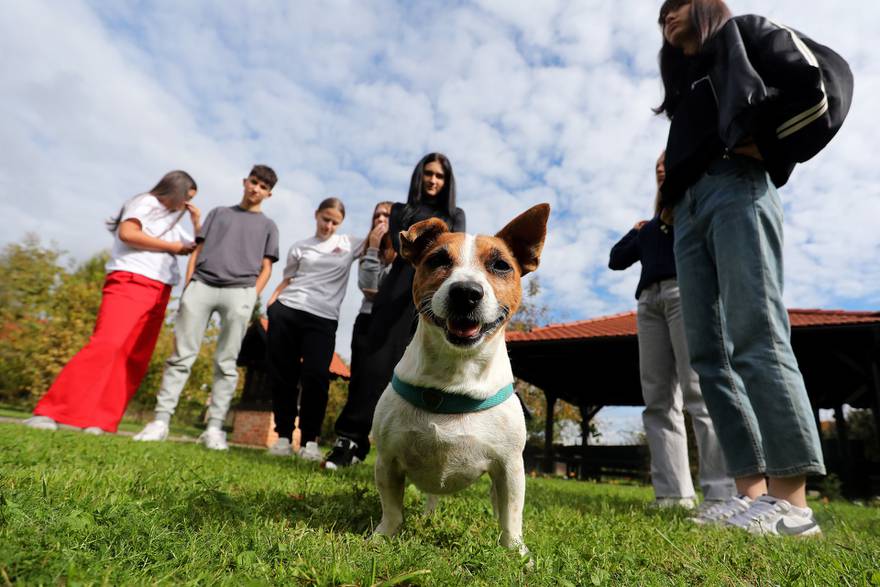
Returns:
(747,99)
(668,382)
(431,195)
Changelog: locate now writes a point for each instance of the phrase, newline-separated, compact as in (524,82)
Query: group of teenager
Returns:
(230,262)
(747,99)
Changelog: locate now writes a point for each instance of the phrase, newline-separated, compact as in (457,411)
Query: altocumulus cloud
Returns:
(532,101)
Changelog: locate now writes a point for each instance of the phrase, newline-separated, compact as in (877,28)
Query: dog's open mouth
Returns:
(466,332)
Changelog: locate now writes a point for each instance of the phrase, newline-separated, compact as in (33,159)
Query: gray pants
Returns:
(668,384)
(234,305)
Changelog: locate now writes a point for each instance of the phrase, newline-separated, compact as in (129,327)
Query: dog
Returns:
(449,414)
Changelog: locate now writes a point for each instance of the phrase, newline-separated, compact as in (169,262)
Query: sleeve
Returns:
(394,225)
(271,249)
(206,225)
(625,252)
(797,95)
(293,259)
(369,269)
(459,223)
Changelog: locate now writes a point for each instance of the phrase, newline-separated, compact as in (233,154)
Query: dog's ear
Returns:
(525,236)
(419,238)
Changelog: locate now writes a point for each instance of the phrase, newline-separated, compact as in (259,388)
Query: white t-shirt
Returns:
(319,273)
(157,221)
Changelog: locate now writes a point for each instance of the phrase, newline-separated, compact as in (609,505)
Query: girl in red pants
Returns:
(94,388)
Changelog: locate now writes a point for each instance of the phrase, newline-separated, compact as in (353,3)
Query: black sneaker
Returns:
(342,454)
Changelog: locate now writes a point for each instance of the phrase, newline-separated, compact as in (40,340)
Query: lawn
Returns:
(81,509)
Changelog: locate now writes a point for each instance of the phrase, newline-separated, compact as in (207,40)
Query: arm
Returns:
(130,233)
(284,283)
(191,264)
(459,223)
(369,269)
(626,251)
(265,274)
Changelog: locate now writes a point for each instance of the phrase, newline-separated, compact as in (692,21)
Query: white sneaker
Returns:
(311,452)
(687,503)
(41,423)
(214,439)
(93,430)
(281,448)
(155,431)
(719,511)
(772,516)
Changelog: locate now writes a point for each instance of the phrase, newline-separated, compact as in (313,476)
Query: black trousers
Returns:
(298,353)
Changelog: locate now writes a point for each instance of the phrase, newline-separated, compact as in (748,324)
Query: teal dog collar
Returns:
(442,402)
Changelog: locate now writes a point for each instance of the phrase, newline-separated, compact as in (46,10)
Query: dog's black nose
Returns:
(464,296)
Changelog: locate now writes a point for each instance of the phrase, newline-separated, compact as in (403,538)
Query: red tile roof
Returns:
(625,325)
(337,365)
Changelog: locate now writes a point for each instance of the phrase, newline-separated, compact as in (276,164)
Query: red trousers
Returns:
(95,386)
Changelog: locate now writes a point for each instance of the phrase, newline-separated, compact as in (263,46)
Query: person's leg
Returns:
(747,244)
(319,339)
(663,418)
(355,419)
(235,306)
(99,368)
(283,352)
(196,305)
(714,481)
(709,347)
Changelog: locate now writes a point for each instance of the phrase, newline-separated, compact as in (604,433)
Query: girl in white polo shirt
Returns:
(94,388)
(303,315)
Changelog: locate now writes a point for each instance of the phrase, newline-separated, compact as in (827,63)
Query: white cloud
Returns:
(533,102)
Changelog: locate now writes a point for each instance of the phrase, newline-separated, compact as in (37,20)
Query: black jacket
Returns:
(756,79)
(652,245)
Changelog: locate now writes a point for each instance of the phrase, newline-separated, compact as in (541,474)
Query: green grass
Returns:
(79,509)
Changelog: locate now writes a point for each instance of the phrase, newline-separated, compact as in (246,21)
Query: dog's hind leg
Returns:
(509,487)
(431,503)
(390,481)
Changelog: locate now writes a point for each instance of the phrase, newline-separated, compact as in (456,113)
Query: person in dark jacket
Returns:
(747,99)
(431,195)
(668,382)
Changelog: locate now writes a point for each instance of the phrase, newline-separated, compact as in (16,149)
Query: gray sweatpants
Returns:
(668,384)
(234,305)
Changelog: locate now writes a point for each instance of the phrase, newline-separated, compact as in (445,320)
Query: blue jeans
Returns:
(728,251)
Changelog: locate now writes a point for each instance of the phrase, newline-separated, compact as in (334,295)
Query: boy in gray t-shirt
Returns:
(237,246)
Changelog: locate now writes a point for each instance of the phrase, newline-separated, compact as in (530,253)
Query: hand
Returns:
(182,248)
(194,213)
(370,294)
(375,238)
(749,149)
(638,225)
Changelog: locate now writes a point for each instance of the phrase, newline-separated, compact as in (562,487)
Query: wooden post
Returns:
(549,461)
(843,448)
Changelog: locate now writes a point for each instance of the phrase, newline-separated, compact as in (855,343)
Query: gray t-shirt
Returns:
(234,242)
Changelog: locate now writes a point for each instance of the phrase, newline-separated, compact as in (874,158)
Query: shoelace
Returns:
(761,510)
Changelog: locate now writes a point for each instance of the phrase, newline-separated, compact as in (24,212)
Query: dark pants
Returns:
(299,350)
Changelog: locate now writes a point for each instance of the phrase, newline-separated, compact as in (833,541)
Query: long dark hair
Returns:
(707,18)
(445,199)
(172,190)
(386,249)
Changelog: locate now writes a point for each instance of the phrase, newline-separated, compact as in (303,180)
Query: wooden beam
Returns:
(875,379)
(548,433)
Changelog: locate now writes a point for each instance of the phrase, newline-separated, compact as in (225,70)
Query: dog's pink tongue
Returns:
(463,328)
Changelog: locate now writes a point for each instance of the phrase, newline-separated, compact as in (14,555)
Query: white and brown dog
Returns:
(448,416)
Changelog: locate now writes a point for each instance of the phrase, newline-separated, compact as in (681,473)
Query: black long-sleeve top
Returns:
(652,245)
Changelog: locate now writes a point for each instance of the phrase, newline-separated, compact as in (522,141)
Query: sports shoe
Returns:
(281,448)
(93,430)
(341,455)
(720,510)
(662,503)
(772,516)
(155,431)
(214,439)
(41,423)
(311,452)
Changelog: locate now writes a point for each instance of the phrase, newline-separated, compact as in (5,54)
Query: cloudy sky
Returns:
(532,101)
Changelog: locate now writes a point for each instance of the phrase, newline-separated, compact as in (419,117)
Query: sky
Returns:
(532,101)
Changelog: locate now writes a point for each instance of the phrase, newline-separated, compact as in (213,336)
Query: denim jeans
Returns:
(728,251)
(669,385)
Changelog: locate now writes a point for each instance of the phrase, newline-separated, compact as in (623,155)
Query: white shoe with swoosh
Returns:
(777,517)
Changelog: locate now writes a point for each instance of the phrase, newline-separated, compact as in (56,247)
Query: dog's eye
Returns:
(500,266)
(438,260)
